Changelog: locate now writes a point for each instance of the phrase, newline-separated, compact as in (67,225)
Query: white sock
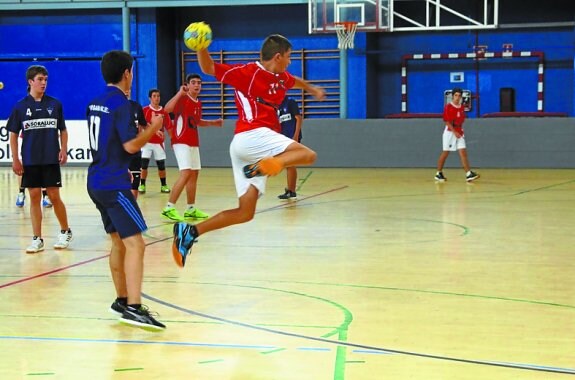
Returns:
(190,206)
(169,205)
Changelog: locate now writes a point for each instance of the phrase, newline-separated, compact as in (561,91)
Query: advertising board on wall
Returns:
(78,143)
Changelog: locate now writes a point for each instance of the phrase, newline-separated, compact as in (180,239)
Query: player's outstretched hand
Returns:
(317,92)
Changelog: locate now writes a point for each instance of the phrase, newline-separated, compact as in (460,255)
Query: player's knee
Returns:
(145,163)
(311,156)
(161,164)
(246,216)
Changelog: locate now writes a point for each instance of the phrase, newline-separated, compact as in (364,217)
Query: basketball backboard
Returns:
(402,15)
(370,15)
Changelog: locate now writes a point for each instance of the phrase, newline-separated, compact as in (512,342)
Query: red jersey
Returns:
(148,113)
(258,93)
(454,114)
(187,116)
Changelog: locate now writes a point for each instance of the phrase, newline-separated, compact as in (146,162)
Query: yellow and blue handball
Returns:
(198,36)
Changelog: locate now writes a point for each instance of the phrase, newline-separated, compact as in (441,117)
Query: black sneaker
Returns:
(118,307)
(471,176)
(439,177)
(288,195)
(141,318)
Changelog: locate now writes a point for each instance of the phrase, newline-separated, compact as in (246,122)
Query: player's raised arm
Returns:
(317,91)
(206,62)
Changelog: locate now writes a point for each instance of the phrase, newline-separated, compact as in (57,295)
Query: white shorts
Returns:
(188,157)
(251,146)
(452,143)
(156,150)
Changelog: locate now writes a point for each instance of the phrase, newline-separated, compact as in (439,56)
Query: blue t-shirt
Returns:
(110,125)
(287,112)
(39,123)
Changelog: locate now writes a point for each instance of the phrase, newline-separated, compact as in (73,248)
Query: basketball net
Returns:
(345,34)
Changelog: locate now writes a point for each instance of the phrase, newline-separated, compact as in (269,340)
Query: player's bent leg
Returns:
(297,154)
(269,166)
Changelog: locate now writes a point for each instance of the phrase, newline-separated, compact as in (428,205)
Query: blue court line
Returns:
(519,366)
(185,344)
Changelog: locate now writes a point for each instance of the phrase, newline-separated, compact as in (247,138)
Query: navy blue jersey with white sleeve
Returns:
(40,124)
(287,112)
(110,125)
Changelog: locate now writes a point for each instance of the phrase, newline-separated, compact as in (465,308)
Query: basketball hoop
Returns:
(345,34)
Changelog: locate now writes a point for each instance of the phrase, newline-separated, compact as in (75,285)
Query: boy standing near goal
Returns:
(257,150)
(113,142)
(453,138)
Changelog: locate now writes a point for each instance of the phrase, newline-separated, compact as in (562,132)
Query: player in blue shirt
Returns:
(40,120)
(113,142)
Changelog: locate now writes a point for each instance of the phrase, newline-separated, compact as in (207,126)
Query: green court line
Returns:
(273,351)
(41,374)
(348,317)
(544,187)
(340,356)
(341,330)
(128,369)
(439,293)
(303,180)
(211,361)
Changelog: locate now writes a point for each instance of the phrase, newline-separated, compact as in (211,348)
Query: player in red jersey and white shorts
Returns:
(187,109)
(257,149)
(155,147)
(453,137)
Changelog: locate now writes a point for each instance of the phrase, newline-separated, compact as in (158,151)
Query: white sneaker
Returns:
(46,202)
(20,198)
(36,246)
(64,240)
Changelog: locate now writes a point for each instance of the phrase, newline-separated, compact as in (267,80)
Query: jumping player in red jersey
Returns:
(257,150)
(187,109)
(453,137)
(155,147)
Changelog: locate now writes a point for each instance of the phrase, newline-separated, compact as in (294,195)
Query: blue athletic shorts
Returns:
(120,212)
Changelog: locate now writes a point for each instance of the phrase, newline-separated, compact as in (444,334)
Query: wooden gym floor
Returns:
(371,274)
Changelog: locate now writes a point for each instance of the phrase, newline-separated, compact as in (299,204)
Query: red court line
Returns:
(157,241)
(52,271)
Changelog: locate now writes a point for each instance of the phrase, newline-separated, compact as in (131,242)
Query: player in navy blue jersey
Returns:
(39,118)
(113,142)
(290,121)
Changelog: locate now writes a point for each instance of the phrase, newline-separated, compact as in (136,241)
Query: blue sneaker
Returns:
(46,202)
(184,237)
(20,200)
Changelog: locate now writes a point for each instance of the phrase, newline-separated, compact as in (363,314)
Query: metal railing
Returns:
(218,99)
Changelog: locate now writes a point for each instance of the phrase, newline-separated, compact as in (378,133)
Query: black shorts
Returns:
(42,176)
